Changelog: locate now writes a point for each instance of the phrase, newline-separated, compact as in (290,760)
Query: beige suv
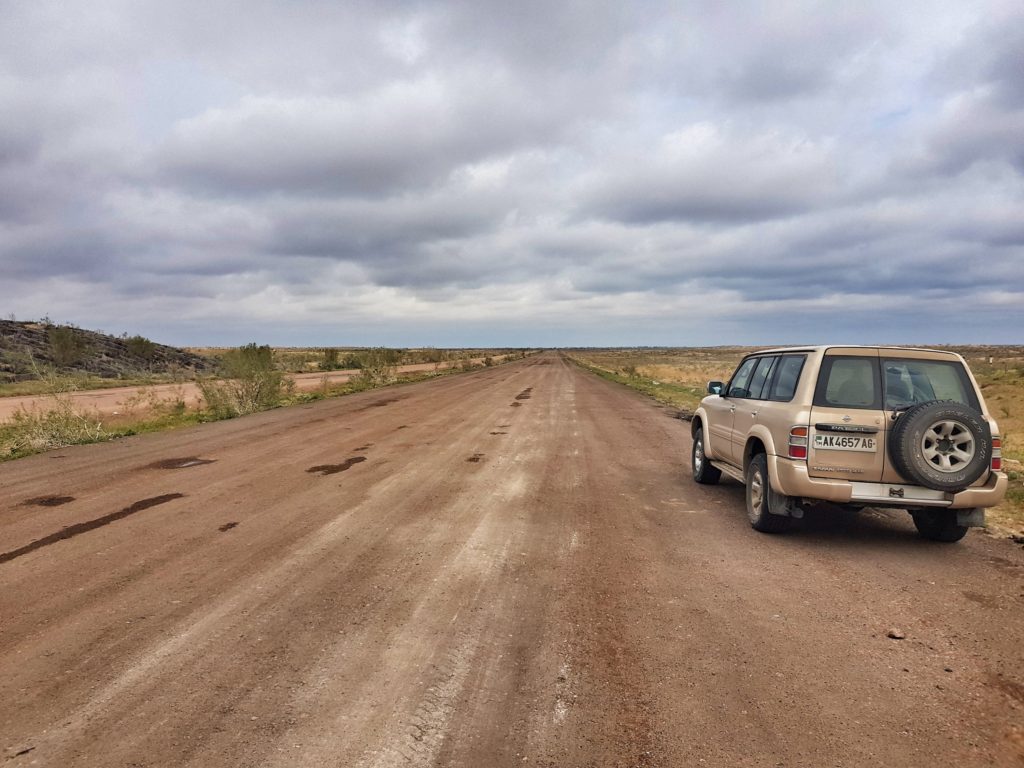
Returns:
(855,426)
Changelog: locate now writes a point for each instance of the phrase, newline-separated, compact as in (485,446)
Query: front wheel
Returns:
(761,499)
(703,472)
(939,525)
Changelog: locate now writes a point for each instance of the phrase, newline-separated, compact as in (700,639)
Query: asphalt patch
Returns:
(499,433)
(182,463)
(525,394)
(227,526)
(475,458)
(366,447)
(516,405)
(78,528)
(333,469)
(47,501)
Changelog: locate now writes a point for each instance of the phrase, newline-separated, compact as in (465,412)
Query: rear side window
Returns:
(786,377)
(848,382)
(761,373)
(908,382)
(738,387)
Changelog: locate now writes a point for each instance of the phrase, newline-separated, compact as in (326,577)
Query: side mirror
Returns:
(716,387)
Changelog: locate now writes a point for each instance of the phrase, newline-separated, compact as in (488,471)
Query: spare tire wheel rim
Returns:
(948,446)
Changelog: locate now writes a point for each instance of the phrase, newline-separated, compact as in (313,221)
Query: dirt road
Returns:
(504,568)
(115,400)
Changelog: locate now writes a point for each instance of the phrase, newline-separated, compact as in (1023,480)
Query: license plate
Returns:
(845,443)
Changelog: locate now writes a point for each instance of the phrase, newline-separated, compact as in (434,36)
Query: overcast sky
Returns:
(515,173)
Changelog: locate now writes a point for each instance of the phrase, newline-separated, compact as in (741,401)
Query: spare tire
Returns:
(942,444)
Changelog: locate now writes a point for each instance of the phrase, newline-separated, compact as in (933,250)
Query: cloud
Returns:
(455,172)
(702,173)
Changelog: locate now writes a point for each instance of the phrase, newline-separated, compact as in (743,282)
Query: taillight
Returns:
(798,443)
(997,454)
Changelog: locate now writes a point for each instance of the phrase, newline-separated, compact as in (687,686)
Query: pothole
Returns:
(47,501)
(180,463)
(333,469)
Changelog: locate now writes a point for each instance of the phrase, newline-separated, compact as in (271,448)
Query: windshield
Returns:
(916,381)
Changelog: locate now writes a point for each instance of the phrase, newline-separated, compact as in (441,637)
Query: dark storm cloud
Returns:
(677,171)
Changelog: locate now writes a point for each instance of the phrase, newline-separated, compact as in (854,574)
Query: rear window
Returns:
(907,382)
(848,382)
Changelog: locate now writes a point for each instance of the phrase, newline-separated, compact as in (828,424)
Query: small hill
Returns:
(29,347)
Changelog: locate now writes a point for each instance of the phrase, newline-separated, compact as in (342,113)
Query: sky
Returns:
(515,174)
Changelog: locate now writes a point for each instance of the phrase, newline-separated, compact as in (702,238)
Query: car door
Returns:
(721,426)
(747,408)
(847,431)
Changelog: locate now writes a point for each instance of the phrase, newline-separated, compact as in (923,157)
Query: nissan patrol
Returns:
(855,426)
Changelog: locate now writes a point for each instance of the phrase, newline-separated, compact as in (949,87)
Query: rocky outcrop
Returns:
(27,348)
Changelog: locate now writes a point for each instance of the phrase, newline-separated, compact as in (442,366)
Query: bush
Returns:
(433,355)
(379,367)
(351,361)
(330,359)
(33,431)
(141,347)
(251,383)
(67,346)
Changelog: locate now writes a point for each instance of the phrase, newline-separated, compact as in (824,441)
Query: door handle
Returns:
(754,414)
(733,409)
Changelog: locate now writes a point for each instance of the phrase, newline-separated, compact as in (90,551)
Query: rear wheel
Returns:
(939,525)
(762,500)
(703,472)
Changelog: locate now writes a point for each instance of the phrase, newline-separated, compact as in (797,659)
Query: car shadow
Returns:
(828,523)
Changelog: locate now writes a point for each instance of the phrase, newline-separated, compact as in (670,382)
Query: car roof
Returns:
(823,347)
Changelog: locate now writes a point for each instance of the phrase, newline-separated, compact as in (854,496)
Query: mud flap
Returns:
(784,506)
(971,518)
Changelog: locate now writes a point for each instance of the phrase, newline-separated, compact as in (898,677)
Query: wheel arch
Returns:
(699,421)
(758,441)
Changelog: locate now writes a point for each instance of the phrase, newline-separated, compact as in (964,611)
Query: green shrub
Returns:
(251,383)
(35,430)
(330,359)
(351,361)
(379,367)
(141,347)
(67,346)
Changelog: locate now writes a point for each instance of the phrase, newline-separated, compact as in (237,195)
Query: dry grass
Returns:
(679,377)
(309,359)
(32,431)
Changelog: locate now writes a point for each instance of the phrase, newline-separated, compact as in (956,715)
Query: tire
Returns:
(703,472)
(942,444)
(761,499)
(939,525)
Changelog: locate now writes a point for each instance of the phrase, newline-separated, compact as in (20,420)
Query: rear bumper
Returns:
(791,478)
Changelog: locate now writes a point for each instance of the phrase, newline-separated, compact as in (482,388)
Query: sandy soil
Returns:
(116,399)
(510,567)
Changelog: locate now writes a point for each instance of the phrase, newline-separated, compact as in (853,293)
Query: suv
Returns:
(855,426)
